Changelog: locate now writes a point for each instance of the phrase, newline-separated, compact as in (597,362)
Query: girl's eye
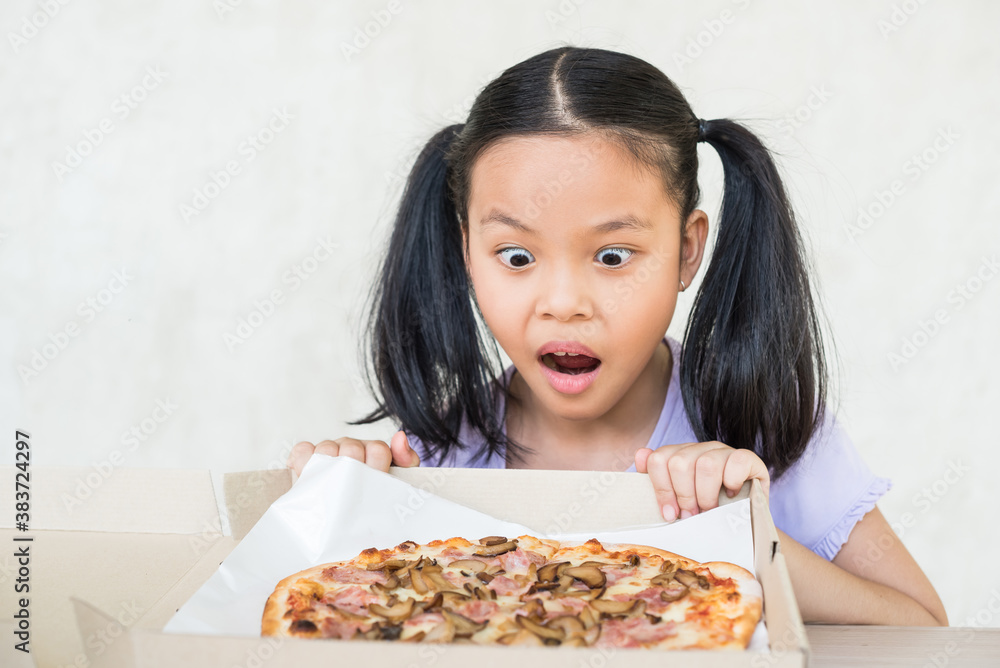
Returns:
(515,257)
(613,257)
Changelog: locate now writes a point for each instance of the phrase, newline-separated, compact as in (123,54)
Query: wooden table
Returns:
(913,647)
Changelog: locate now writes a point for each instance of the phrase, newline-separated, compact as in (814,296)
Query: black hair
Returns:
(753,373)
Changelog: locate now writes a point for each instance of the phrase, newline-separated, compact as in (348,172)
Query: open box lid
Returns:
(170,521)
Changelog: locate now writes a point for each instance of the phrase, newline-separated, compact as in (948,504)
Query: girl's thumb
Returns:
(402,453)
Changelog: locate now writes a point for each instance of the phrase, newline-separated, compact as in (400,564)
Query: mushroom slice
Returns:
(592,576)
(477,591)
(390,564)
(521,637)
(617,607)
(417,582)
(633,561)
(587,594)
(485,578)
(669,596)
(492,540)
(416,637)
(691,579)
(596,564)
(435,602)
(661,579)
(473,565)
(464,627)
(496,549)
(551,571)
(588,617)
(591,635)
(543,632)
(534,608)
(495,569)
(570,624)
(396,613)
(347,614)
(389,585)
(390,631)
(668,566)
(443,632)
(454,596)
(437,581)
(508,625)
(638,610)
(564,583)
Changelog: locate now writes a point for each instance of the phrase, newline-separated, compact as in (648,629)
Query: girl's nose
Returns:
(564,295)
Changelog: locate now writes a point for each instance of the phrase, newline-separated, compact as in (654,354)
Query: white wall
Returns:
(336,169)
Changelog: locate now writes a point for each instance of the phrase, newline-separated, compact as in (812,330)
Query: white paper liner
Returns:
(339,507)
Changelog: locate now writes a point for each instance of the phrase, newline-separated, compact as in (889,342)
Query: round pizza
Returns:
(521,591)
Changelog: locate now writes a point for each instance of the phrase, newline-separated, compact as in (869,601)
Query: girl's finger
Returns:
(377,455)
(641,457)
(708,476)
(328,448)
(744,465)
(402,453)
(683,475)
(351,447)
(655,464)
(682,467)
(300,454)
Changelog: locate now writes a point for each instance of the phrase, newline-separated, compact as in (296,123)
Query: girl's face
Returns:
(574,249)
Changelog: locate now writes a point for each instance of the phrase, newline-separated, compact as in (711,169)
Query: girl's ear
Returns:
(693,245)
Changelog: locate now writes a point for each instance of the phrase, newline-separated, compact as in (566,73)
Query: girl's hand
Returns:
(687,477)
(376,454)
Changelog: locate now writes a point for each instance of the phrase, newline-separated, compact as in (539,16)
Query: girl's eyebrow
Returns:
(626,222)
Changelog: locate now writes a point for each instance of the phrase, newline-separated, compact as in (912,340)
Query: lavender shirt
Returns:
(817,501)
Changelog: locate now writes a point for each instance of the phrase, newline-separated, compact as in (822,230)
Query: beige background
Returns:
(847,94)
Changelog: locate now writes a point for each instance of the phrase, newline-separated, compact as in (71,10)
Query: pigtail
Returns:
(753,372)
(423,338)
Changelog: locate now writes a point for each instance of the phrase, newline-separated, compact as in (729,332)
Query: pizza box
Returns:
(114,556)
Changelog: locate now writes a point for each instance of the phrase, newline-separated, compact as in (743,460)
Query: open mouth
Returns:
(570,363)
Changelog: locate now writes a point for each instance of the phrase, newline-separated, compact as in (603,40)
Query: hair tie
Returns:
(701,129)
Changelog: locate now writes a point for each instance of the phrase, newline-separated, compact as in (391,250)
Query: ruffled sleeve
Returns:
(826,492)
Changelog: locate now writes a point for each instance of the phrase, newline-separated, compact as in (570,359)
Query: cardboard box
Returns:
(116,556)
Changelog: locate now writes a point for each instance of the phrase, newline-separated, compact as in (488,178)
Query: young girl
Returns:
(563,214)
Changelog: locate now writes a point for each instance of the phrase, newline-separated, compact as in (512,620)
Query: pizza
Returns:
(522,591)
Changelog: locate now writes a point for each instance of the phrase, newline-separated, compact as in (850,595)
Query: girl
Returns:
(563,215)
